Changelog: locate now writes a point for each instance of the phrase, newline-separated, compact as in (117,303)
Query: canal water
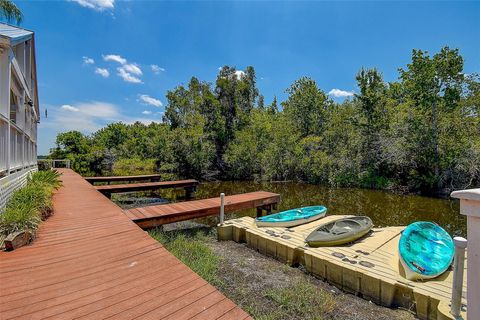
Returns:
(384,208)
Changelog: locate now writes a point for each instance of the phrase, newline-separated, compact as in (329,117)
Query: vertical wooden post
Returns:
(189,191)
(470,206)
(259,212)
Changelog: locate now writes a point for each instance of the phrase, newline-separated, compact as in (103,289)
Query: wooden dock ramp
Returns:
(152,216)
(189,186)
(369,267)
(90,261)
(145,177)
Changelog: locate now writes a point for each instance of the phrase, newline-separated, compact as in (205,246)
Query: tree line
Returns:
(420,133)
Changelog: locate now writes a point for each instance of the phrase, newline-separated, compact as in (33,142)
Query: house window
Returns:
(13,106)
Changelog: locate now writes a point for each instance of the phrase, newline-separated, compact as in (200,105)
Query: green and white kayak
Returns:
(293,217)
(426,250)
(338,232)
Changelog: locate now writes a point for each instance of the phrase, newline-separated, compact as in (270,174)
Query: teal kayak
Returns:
(293,217)
(426,250)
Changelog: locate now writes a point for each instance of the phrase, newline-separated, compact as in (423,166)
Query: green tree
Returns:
(433,86)
(10,12)
(306,106)
(373,117)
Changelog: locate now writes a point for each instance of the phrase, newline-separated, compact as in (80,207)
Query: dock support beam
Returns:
(189,192)
(470,206)
(268,209)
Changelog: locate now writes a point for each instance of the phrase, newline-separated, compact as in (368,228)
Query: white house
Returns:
(19,109)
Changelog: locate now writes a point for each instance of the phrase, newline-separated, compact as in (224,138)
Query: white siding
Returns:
(18,136)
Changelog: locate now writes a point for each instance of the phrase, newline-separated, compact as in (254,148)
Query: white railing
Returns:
(11,183)
(54,163)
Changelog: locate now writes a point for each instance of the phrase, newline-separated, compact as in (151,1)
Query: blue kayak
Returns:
(426,250)
(293,217)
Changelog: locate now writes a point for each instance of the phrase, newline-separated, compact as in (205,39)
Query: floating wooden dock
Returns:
(369,267)
(145,177)
(90,261)
(189,186)
(152,216)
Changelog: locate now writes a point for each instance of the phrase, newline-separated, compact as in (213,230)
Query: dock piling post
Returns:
(222,207)
(458,267)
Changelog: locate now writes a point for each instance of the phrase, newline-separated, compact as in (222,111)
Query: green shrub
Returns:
(49,178)
(134,166)
(29,205)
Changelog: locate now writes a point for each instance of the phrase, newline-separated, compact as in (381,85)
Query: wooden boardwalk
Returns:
(151,216)
(145,177)
(188,185)
(91,262)
(369,267)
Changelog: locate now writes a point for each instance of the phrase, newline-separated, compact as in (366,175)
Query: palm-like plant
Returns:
(10,11)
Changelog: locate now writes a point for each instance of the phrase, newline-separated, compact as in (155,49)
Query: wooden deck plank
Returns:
(166,213)
(145,177)
(89,260)
(129,187)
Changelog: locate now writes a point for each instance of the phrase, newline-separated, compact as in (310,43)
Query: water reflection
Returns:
(384,208)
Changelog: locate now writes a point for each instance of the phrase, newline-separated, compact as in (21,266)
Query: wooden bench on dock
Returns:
(189,186)
(108,180)
(152,216)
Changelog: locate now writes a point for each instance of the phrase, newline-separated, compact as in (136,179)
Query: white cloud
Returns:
(69,108)
(146,99)
(337,93)
(114,57)
(239,74)
(133,68)
(98,5)
(94,109)
(147,112)
(86,117)
(103,72)
(87,60)
(126,76)
(129,72)
(157,69)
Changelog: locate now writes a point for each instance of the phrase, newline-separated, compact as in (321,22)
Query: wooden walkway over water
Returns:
(145,177)
(188,185)
(91,262)
(152,216)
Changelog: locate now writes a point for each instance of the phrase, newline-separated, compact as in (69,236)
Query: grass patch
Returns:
(301,300)
(191,249)
(29,205)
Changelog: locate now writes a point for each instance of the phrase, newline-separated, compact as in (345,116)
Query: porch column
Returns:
(470,206)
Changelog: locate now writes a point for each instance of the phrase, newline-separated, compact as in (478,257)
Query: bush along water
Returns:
(30,205)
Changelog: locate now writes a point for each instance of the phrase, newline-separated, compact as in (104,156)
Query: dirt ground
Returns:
(246,274)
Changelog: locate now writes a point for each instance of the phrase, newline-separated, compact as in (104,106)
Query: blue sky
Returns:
(95,57)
